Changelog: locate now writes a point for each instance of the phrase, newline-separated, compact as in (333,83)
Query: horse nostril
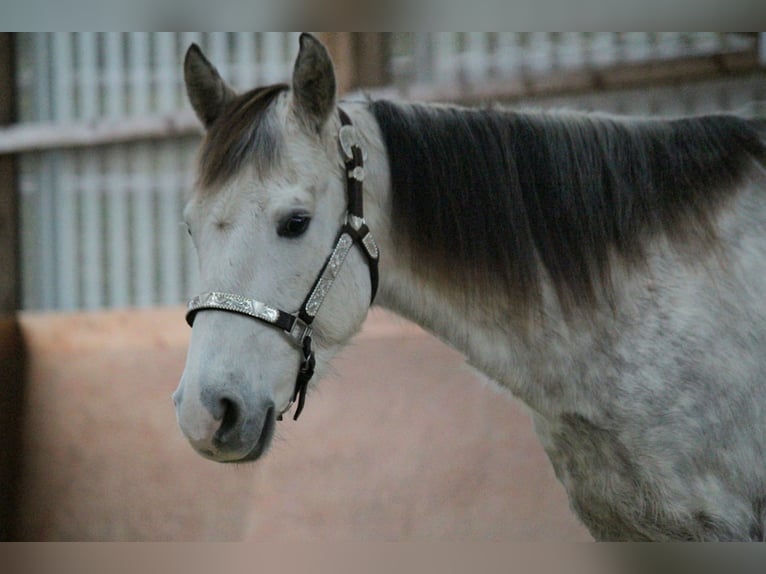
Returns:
(230,419)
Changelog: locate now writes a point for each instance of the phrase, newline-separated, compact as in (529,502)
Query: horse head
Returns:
(265,213)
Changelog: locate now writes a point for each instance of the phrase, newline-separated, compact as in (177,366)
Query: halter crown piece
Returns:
(297,326)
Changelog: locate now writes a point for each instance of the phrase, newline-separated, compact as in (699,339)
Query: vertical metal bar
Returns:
(42,256)
(245,77)
(477,56)
(508,53)
(701,42)
(118,244)
(637,47)
(63,166)
(670,44)
(539,52)
(445,57)
(422,71)
(218,52)
(169,201)
(144,270)
(603,48)
(47,252)
(167,72)
(272,57)
(29,167)
(90,176)
(571,50)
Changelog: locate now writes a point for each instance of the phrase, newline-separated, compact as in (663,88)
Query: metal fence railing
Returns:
(106,139)
(447,57)
(459,65)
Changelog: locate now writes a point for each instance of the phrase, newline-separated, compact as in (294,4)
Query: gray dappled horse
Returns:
(610,272)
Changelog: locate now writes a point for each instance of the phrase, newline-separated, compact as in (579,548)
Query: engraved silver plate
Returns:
(370,245)
(329,274)
(234,303)
(347,138)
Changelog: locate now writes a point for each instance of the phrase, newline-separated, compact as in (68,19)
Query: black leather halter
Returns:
(297,326)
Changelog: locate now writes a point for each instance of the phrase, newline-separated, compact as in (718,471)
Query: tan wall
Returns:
(401,443)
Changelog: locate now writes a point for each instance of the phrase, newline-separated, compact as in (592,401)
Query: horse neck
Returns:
(495,342)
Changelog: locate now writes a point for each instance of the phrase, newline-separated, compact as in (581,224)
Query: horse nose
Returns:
(210,420)
(222,426)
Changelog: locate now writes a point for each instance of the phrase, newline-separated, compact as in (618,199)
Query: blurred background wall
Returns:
(105,138)
(97,146)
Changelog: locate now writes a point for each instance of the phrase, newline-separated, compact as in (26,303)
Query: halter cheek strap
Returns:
(297,326)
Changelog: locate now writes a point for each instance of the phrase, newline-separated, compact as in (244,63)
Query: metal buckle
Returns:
(299,332)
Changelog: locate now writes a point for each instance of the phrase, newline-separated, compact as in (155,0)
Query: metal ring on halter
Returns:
(297,326)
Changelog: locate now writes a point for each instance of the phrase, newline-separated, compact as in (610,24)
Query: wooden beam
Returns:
(22,138)
(12,356)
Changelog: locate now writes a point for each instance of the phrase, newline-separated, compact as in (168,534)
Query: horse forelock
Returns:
(245,132)
(491,199)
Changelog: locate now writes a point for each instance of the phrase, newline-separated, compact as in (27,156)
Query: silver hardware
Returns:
(357,173)
(368,241)
(299,332)
(369,244)
(347,138)
(355,221)
(234,303)
(342,247)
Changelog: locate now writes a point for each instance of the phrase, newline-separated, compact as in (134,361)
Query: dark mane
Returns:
(233,138)
(492,197)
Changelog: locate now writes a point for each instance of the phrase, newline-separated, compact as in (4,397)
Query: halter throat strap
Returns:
(298,326)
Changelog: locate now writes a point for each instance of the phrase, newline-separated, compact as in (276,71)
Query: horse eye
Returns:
(294,225)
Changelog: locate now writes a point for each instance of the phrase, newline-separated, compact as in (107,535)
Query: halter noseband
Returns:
(297,326)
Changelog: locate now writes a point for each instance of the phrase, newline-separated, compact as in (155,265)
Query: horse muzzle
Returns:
(225,427)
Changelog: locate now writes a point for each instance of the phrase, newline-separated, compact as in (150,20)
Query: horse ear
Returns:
(208,93)
(313,82)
